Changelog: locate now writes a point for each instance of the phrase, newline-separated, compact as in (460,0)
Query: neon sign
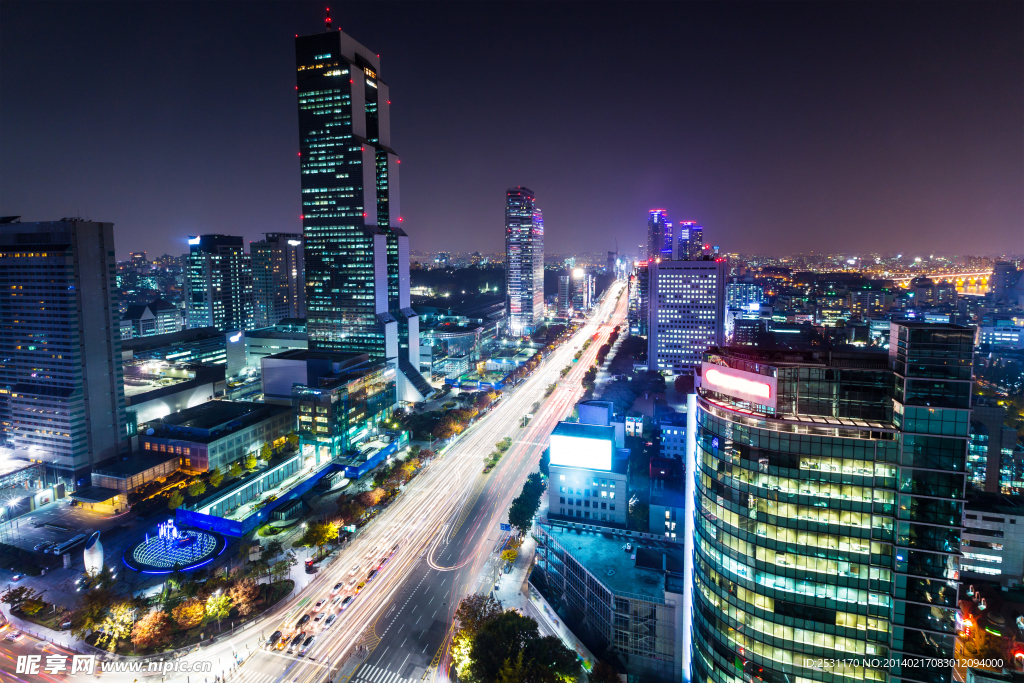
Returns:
(739,384)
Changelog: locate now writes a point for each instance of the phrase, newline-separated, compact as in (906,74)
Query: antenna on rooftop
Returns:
(327,21)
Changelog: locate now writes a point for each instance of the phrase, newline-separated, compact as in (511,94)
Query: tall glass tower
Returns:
(829,492)
(356,253)
(524,261)
(659,235)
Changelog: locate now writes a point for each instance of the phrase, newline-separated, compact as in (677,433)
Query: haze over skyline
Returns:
(778,127)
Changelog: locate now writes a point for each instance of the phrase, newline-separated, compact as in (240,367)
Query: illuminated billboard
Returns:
(742,385)
(578,451)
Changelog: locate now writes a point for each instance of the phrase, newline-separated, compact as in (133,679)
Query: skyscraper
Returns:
(356,252)
(689,246)
(218,283)
(564,295)
(61,385)
(829,499)
(659,235)
(696,242)
(524,261)
(279,278)
(687,313)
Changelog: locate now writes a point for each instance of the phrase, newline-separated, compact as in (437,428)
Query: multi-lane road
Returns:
(427,551)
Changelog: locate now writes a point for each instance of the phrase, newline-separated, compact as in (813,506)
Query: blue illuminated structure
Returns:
(173,549)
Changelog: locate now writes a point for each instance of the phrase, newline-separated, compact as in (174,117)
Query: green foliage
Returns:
(236,470)
(216,477)
(526,504)
(117,625)
(250,461)
(293,440)
(175,501)
(511,645)
(603,673)
(196,488)
(545,462)
(218,605)
(509,556)
(319,534)
(90,611)
(266,452)
(550,389)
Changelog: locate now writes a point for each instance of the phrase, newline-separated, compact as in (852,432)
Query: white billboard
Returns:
(742,385)
(577,451)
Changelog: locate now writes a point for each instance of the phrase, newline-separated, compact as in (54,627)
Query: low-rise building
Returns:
(589,477)
(199,345)
(147,320)
(992,541)
(154,389)
(267,341)
(618,598)
(217,433)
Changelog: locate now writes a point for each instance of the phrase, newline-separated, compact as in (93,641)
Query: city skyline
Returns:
(829,143)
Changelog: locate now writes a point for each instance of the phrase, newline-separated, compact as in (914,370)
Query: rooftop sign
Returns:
(742,385)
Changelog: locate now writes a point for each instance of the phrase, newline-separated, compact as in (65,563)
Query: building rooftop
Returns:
(216,416)
(136,464)
(171,339)
(584,431)
(994,502)
(639,571)
(274,333)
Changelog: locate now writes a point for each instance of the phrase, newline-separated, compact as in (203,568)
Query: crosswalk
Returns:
(377,674)
(252,676)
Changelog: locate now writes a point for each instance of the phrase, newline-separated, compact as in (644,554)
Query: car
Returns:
(353,570)
(16,577)
(336,600)
(320,602)
(320,617)
(272,640)
(302,622)
(295,641)
(337,587)
(373,573)
(306,645)
(42,546)
(345,603)
(13,635)
(330,620)
(283,643)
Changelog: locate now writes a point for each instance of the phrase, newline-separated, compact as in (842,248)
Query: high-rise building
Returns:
(279,278)
(218,283)
(564,295)
(639,299)
(582,290)
(524,261)
(356,252)
(686,313)
(659,235)
(61,385)
(829,488)
(742,291)
(695,243)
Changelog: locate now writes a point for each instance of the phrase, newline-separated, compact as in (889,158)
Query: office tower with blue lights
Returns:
(827,490)
(62,397)
(524,261)
(694,242)
(218,283)
(659,235)
(279,278)
(356,252)
(686,313)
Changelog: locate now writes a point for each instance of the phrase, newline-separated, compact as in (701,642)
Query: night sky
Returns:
(780,127)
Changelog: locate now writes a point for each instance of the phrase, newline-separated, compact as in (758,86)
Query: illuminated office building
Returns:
(524,261)
(659,235)
(279,278)
(687,313)
(829,496)
(62,397)
(218,283)
(694,242)
(564,295)
(590,476)
(356,252)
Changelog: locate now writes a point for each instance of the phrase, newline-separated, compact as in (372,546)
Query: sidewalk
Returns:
(62,638)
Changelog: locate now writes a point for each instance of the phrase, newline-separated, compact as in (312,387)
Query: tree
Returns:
(16,597)
(273,549)
(117,625)
(370,498)
(474,611)
(153,630)
(216,477)
(196,488)
(175,501)
(90,612)
(510,556)
(350,510)
(319,534)
(244,594)
(503,639)
(236,470)
(281,568)
(218,605)
(293,440)
(604,672)
(266,452)
(32,606)
(250,462)
(526,504)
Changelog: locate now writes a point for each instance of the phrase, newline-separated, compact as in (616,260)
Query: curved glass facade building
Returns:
(829,491)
